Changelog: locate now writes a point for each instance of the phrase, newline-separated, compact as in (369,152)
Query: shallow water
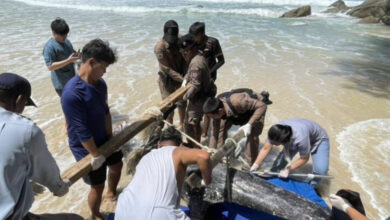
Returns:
(324,67)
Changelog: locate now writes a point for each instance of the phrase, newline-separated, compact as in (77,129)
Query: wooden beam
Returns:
(195,179)
(83,167)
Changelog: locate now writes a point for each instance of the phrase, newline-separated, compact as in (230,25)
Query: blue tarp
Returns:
(231,211)
(303,189)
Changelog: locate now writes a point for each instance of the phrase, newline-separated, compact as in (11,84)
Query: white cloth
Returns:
(24,157)
(152,193)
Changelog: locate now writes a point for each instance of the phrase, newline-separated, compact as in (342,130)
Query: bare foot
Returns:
(97,217)
(110,196)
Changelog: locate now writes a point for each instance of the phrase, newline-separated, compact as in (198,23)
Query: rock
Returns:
(337,7)
(374,8)
(369,20)
(199,6)
(386,19)
(299,12)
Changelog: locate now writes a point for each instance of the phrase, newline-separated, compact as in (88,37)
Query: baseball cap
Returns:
(171,31)
(18,84)
(187,41)
(196,28)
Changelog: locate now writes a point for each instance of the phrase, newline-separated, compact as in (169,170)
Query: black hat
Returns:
(171,31)
(211,105)
(18,84)
(187,42)
(197,28)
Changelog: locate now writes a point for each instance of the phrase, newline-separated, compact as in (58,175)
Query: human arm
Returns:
(300,162)
(60,64)
(264,151)
(214,133)
(44,169)
(201,158)
(222,132)
(220,62)
(194,78)
(164,64)
(339,203)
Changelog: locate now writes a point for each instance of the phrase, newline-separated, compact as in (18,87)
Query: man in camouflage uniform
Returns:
(238,107)
(171,65)
(212,51)
(202,86)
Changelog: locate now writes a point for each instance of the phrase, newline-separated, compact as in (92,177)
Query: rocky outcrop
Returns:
(369,20)
(386,19)
(372,10)
(337,7)
(299,12)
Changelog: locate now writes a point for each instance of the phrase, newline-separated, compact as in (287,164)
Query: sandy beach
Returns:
(327,68)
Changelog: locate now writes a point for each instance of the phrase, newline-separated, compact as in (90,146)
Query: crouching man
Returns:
(154,192)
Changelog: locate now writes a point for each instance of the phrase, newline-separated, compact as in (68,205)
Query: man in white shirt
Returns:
(154,192)
(24,153)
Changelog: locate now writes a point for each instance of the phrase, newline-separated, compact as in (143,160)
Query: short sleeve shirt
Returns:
(85,108)
(212,50)
(307,136)
(55,52)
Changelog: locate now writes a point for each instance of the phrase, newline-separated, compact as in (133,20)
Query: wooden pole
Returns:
(83,167)
(194,179)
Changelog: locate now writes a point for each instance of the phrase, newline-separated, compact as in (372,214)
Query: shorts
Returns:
(98,176)
(194,113)
(168,88)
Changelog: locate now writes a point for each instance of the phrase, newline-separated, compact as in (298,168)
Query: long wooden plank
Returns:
(194,179)
(83,167)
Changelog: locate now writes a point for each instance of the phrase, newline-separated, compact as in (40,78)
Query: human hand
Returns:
(283,173)
(74,57)
(184,83)
(97,162)
(247,129)
(63,188)
(338,202)
(254,167)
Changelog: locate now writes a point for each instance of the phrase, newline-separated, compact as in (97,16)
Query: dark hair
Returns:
(59,26)
(280,133)
(187,42)
(266,99)
(212,105)
(171,134)
(99,50)
(7,95)
(197,28)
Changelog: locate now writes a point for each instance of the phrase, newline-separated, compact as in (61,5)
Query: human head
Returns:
(187,47)
(169,137)
(60,29)
(213,108)
(171,32)
(96,56)
(279,134)
(15,92)
(198,30)
(265,98)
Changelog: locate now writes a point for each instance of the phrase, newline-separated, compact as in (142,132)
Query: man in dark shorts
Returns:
(212,51)
(84,102)
(59,55)
(202,86)
(171,66)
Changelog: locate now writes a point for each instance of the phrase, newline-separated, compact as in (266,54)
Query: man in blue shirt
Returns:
(84,102)
(59,55)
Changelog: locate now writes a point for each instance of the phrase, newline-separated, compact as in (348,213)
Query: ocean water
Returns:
(325,67)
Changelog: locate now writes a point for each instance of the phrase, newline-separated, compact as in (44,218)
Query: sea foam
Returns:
(365,147)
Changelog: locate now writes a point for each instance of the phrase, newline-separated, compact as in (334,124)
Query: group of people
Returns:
(154,191)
